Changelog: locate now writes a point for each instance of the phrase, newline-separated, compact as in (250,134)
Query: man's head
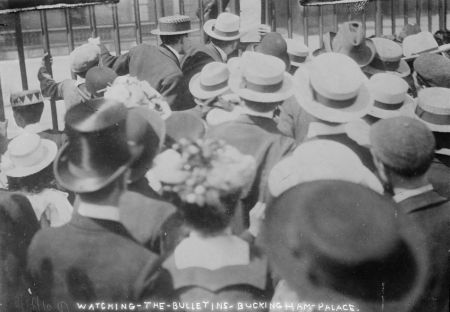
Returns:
(27,107)
(402,148)
(178,42)
(173,31)
(84,58)
(224,31)
(431,70)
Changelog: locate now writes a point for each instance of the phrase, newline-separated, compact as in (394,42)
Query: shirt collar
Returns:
(245,111)
(403,194)
(318,128)
(443,151)
(174,52)
(222,53)
(102,212)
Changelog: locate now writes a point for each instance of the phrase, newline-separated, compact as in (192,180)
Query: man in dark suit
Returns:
(224,34)
(159,66)
(93,257)
(255,131)
(403,149)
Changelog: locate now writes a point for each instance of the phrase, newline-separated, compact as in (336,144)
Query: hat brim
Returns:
(285,92)
(19,172)
(361,107)
(402,71)
(433,127)
(402,111)
(199,93)
(158,32)
(208,29)
(86,184)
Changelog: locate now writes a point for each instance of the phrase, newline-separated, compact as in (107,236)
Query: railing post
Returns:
(378,19)
(273,16)
(430,19)
(237,7)
(392,2)
(2,105)
(160,8)
(137,20)
(405,11)
(181,6)
(48,65)
(115,16)
(70,40)
(418,11)
(442,14)
(92,21)
(321,26)
(290,25)
(335,18)
(21,51)
(220,6)
(202,19)
(305,25)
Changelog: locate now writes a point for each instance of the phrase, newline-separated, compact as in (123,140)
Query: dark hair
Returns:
(28,114)
(261,107)
(442,139)
(210,218)
(34,183)
(412,172)
(172,39)
(222,43)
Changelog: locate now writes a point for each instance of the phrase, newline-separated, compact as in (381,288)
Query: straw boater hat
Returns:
(226,27)
(263,79)
(388,59)
(347,247)
(27,97)
(28,154)
(173,25)
(390,95)
(351,41)
(333,88)
(84,57)
(419,43)
(298,52)
(97,152)
(433,108)
(212,81)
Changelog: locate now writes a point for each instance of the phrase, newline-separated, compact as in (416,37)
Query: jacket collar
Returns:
(215,50)
(421,201)
(167,52)
(265,123)
(97,225)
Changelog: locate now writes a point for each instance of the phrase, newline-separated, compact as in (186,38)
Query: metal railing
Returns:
(268,17)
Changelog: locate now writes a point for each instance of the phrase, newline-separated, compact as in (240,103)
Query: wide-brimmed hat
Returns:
(333,88)
(173,25)
(433,69)
(98,78)
(262,79)
(320,160)
(226,27)
(272,44)
(433,108)
(28,154)
(298,52)
(388,59)
(26,97)
(390,94)
(212,81)
(337,242)
(97,152)
(351,41)
(419,43)
(84,57)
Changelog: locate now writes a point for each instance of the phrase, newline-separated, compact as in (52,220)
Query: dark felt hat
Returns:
(337,242)
(404,144)
(97,152)
(274,44)
(434,69)
(98,78)
(183,125)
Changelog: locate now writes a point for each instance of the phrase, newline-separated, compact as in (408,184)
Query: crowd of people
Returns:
(253,178)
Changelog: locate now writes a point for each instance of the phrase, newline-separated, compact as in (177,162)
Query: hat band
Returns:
(270,88)
(225,33)
(432,118)
(385,106)
(297,58)
(175,27)
(214,87)
(332,102)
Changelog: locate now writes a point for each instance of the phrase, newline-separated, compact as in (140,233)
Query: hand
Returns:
(263,30)
(95,41)
(257,215)
(46,59)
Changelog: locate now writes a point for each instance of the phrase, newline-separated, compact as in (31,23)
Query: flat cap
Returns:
(434,68)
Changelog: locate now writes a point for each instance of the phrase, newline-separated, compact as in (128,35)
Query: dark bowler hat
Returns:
(433,70)
(273,44)
(98,78)
(338,242)
(97,152)
(173,25)
(183,125)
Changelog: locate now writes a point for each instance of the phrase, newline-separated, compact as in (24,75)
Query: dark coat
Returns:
(439,174)
(260,138)
(197,57)
(293,121)
(89,260)
(431,212)
(159,67)
(18,224)
(144,218)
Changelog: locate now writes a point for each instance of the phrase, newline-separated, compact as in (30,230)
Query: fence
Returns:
(381,8)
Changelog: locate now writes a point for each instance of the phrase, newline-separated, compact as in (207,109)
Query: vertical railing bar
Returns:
(181,6)
(363,21)
(92,21)
(220,6)
(48,65)
(430,21)
(392,3)
(418,11)
(237,7)
(21,51)
(2,104)
(273,16)
(442,14)
(137,20)
(290,25)
(305,25)
(335,18)
(405,12)
(321,26)
(69,31)
(378,19)
(115,16)
(267,12)
(202,19)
